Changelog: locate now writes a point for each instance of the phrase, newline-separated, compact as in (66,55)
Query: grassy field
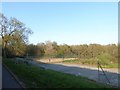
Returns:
(35,77)
(91,62)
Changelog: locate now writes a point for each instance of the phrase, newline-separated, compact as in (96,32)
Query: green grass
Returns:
(34,77)
(92,62)
(114,65)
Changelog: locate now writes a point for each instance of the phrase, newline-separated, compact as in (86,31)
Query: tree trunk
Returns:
(4,48)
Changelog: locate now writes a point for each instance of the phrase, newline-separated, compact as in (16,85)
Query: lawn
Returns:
(35,77)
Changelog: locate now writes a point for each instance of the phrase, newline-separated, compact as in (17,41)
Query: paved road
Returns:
(8,81)
(85,72)
(0,75)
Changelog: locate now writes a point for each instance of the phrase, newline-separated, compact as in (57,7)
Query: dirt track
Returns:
(113,70)
(58,60)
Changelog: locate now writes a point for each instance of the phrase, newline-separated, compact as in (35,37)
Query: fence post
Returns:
(98,70)
(99,66)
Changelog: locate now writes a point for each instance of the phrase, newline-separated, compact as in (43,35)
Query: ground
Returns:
(82,70)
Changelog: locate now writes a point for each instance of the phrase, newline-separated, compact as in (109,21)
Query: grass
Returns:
(114,65)
(35,77)
(91,62)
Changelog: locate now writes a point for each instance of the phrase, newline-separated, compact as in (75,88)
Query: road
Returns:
(8,81)
(0,74)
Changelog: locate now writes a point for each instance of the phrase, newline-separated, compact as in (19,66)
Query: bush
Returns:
(104,59)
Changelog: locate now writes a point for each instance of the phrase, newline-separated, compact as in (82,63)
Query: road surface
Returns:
(8,81)
(0,74)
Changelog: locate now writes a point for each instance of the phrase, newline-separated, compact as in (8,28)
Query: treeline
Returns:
(53,50)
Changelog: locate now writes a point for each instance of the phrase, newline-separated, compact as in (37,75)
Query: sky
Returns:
(64,22)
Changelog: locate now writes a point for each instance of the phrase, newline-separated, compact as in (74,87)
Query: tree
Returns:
(51,48)
(65,50)
(14,35)
(31,50)
(40,50)
(94,50)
